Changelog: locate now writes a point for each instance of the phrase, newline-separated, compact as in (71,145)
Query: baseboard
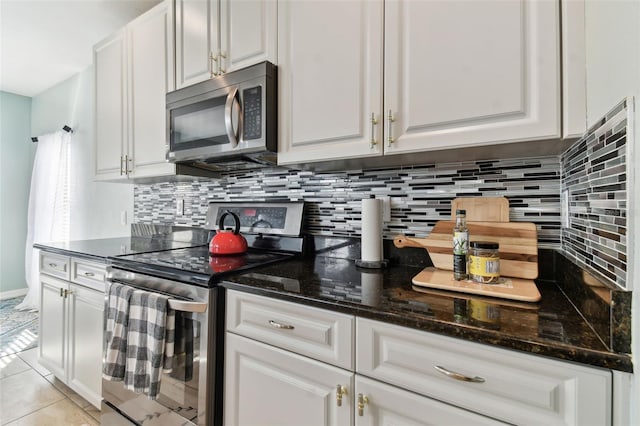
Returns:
(13,293)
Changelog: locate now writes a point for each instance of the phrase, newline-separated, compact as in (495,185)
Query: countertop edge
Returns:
(66,252)
(582,356)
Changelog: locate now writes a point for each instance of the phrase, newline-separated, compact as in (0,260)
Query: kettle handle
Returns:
(236,221)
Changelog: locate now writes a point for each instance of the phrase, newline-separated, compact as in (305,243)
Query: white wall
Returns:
(16,159)
(95,206)
(613,72)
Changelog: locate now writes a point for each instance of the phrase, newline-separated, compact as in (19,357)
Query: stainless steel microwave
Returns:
(229,117)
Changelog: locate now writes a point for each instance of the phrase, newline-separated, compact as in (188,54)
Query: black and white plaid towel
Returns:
(149,315)
(116,321)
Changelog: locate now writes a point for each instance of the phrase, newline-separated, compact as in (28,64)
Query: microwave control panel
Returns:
(252,115)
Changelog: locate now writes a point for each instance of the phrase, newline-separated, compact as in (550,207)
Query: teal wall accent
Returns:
(16,160)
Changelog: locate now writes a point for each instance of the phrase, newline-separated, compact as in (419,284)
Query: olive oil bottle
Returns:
(460,246)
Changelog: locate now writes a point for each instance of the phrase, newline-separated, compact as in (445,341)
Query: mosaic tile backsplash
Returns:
(420,195)
(594,186)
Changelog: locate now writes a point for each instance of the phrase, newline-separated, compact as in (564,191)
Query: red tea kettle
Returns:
(227,241)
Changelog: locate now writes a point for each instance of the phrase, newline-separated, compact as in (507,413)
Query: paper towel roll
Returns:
(371,250)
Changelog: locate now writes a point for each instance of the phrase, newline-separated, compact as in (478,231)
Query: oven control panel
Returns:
(257,217)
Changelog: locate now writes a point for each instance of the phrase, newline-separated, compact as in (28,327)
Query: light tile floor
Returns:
(31,396)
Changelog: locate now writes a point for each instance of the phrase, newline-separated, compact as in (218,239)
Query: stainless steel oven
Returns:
(229,116)
(190,392)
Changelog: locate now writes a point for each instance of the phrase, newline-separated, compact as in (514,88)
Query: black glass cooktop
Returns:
(195,265)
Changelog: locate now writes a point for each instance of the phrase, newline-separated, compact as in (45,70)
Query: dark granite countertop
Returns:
(552,327)
(100,249)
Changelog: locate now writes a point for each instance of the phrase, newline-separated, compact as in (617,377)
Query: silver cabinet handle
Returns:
(374,121)
(280,325)
(53,265)
(61,291)
(391,119)
(127,162)
(213,59)
(184,306)
(458,376)
(89,274)
(233,96)
(121,168)
(221,56)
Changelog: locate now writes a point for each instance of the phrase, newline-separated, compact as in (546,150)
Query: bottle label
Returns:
(460,242)
(460,264)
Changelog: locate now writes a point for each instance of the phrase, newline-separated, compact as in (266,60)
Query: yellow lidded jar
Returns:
(484,262)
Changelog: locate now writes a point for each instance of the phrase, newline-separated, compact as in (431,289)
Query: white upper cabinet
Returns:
(134,70)
(248,33)
(217,36)
(456,74)
(465,73)
(109,59)
(196,40)
(330,79)
(151,76)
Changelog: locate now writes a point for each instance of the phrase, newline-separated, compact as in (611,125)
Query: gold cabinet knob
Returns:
(340,391)
(362,401)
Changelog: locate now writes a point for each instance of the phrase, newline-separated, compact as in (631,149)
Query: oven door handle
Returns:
(181,305)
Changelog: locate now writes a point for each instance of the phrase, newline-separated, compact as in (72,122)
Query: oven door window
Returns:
(199,124)
(179,382)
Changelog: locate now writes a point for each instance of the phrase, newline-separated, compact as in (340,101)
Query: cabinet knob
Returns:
(89,274)
(53,265)
(362,401)
(340,392)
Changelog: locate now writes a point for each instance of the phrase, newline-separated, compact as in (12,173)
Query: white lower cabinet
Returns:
(507,385)
(380,404)
(71,327)
(86,309)
(402,376)
(270,386)
(53,319)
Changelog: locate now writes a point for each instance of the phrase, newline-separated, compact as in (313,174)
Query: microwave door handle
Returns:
(233,96)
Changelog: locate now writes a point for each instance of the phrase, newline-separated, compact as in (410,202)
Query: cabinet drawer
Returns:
(54,264)
(90,274)
(316,333)
(511,386)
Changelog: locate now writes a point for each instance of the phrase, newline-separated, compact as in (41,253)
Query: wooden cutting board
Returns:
(518,245)
(508,288)
(482,209)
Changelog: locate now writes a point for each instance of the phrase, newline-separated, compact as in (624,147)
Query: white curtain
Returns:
(48,215)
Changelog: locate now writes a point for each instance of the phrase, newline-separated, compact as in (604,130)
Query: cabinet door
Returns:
(268,386)
(330,79)
(197,35)
(150,49)
(468,73)
(86,325)
(109,59)
(248,33)
(53,323)
(388,405)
